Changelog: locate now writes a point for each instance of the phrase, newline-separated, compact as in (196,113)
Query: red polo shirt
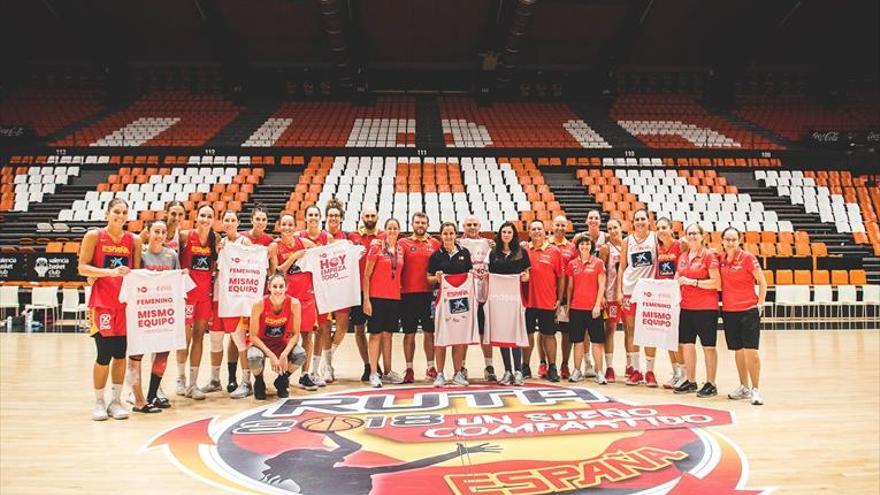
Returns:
(544,275)
(585,282)
(386,277)
(738,281)
(416,253)
(697,298)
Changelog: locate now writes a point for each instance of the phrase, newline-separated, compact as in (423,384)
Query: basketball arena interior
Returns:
(758,118)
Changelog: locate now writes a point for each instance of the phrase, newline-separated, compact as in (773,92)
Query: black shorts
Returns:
(415,311)
(386,315)
(356,315)
(113,347)
(742,329)
(481,318)
(580,322)
(543,320)
(693,323)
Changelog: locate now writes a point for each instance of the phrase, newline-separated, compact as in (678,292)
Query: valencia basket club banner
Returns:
(537,439)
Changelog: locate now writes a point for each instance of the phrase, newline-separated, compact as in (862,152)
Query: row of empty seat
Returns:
(23,186)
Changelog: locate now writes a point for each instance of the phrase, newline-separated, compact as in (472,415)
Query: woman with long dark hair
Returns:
(105,256)
(508,258)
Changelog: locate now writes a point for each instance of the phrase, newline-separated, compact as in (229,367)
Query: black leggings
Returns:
(109,347)
(517,358)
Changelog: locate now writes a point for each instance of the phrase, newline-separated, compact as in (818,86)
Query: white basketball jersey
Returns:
(456,311)
(505,312)
(641,262)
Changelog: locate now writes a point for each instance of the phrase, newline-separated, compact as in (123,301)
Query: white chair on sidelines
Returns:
(871,299)
(846,296)
(823,297)
(791,296)
(9,299)
(70,304)
(45,299)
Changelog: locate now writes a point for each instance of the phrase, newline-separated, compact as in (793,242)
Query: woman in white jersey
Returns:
(610,254)
(638,260)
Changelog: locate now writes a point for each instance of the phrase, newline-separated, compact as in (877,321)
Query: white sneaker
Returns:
(460,379)
(195,393)
(742,392)
(160,394)
(213,386)
(679,382)
(589,372)
(392,377)
(117,411)
(181,386)
(329,373)
(506,379)
(243,390)
(99,413)
(577,376)
(130,398)
(518,378)
(600,379)
(670,384)
(757,400)
(375,380)
(318,380)
(440,381)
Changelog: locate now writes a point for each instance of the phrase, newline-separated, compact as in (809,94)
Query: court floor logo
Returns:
(464,441)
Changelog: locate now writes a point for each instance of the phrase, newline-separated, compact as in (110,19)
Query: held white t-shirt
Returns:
(335,275)
(479,249)
(657,309)
(154,310)
(241,278)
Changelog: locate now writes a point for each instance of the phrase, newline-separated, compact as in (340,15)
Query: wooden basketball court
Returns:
(819,431)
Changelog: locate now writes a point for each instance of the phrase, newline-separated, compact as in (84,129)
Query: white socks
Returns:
(117,391)
(99,395)
(649,363)
(193,376)
(215,373)
(608,358)
(430,364)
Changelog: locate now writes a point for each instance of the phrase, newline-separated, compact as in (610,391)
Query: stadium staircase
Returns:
(273,192)
(20,225)
(241,128)
(429,130)
(597,117)
(745,124)
(843,253)
(573,197)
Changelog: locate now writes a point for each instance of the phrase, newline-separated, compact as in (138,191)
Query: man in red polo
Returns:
(416,295)
(544,293)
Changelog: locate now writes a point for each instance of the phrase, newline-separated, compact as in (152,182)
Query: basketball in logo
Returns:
(331,423)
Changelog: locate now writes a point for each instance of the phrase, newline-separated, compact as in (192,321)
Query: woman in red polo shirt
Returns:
(381,287)
(586,288)
(105,256)
(699,279)
(283,254)
(741,312)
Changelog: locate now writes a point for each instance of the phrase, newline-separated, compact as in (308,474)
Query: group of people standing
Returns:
(580,288)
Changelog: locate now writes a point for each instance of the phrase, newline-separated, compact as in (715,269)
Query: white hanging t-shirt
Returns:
(657,307)
(241,278)
(505,312)
(479,249)
(335,273)
(154,310)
